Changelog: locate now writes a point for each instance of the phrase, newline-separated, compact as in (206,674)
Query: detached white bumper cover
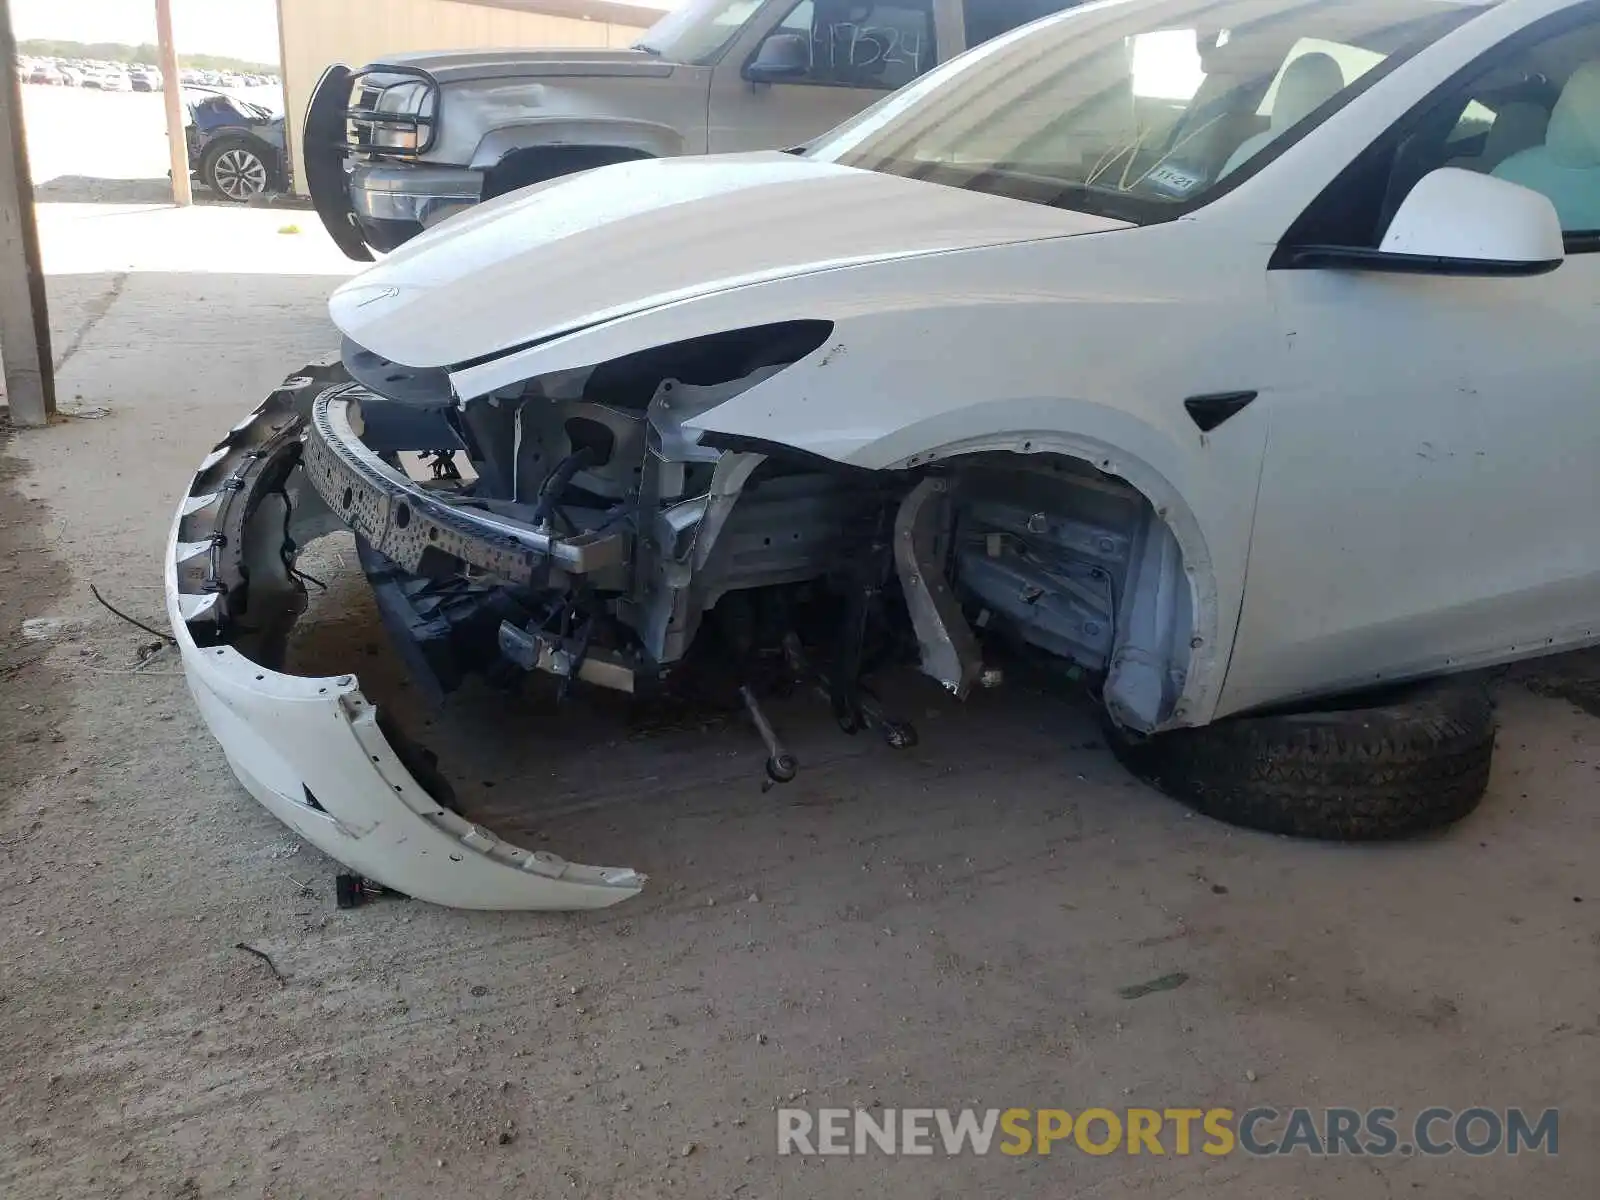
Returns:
(310,750)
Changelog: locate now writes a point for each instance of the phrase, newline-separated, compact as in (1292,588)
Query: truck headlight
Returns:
(415,99)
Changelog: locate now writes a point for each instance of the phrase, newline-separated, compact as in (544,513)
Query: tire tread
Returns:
(1363,774)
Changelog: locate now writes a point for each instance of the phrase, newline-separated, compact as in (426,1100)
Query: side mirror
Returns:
(1455,222)
(781,56)
(1472,224)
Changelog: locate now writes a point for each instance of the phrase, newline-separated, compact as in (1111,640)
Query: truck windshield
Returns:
(699,31)
(1138,109)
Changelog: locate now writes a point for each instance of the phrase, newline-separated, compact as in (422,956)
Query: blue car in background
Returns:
(236,148)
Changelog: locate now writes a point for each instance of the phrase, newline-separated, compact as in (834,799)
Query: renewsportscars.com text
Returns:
(1259,1132)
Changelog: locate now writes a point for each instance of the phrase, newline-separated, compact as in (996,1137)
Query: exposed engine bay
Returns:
(575,525)
(579,526)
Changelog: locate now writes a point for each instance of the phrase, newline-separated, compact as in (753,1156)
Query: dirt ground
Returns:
(964,923)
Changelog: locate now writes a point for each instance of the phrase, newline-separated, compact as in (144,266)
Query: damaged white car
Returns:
(1238,353)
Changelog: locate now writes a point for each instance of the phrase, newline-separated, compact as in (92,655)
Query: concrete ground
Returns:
(966,923)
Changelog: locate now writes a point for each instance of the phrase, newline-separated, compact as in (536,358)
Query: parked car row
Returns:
(227,79)
(122,77)
(100,76)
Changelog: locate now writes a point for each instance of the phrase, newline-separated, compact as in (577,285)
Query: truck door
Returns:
(805,66)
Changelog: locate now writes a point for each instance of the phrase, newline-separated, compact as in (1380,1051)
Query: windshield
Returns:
(699,31)
(1136,109)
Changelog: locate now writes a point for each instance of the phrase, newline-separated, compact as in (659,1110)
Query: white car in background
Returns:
(1237,354)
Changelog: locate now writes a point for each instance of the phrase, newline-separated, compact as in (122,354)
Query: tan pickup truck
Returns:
(404,142)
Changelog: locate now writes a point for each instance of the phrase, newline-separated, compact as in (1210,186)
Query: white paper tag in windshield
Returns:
(1174,182)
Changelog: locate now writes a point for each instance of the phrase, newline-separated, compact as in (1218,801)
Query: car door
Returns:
(1459,412)
(856,51)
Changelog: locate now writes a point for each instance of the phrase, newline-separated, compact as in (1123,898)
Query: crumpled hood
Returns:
(457,66)
(626,238)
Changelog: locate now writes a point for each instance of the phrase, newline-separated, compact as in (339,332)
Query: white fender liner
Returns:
(309,749)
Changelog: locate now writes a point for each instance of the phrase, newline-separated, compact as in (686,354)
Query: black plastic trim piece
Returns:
(420,387)
(1361,258)
(583,327)
(322,140)
(467,364)
(1210,411)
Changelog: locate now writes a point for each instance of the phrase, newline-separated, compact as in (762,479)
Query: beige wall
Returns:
(315,33)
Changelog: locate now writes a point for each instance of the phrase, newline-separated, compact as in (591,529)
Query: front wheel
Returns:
(235,171)
(1365,769)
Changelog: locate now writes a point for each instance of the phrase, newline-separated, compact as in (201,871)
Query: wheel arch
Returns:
(643,139)
(1201,641)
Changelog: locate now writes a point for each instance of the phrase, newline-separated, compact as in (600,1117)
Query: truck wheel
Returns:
(1417,760)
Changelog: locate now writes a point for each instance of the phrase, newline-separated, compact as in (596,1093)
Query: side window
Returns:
(1529,113)
(882,45)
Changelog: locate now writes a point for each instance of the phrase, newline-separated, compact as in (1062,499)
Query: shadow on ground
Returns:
(91,189)
(1574,678)
(610,778)
(31,579)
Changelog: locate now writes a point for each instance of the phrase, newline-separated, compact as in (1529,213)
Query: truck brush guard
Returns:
(364,118)
(345,118)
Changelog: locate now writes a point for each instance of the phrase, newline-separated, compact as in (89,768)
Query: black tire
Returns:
(237,169)
(1416,761)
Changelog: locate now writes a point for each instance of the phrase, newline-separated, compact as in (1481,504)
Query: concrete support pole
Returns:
(24,319)
(292,140)
(172,93)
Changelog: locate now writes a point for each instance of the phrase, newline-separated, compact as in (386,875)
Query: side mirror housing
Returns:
(781,56)
(1462,217)
(1457,222)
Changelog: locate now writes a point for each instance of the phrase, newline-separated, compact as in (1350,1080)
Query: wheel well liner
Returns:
(535,164)
(1172,587)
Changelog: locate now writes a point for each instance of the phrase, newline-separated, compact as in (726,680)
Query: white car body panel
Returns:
(633,236)
(1201,288)
(283,733)
(1347,593)
(885,391)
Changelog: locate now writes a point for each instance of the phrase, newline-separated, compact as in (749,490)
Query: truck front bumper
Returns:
(393,202)
(311,749)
